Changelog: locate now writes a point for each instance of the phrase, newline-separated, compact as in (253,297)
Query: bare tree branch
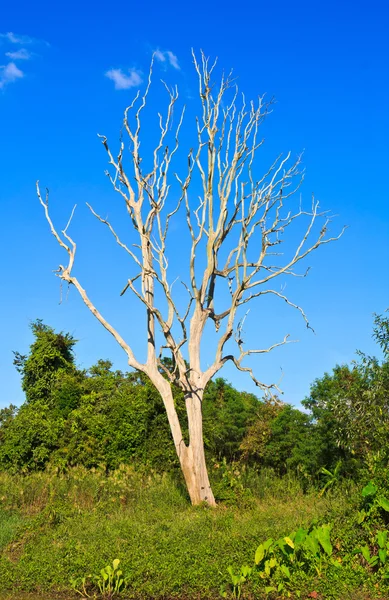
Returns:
(236,229)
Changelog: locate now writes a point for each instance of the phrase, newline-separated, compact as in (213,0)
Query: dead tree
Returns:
(235,230)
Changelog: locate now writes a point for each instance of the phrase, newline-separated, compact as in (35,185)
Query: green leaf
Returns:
(325,471)
(289,542)
(361,516)
(267,543)
(383,503)
(272,563)
(383,555)
(285,571)
(223,592)
(323,535)
(270,588)
(115,564)
(369,490)
(300,536)
(365,553)
(246,571)
(311,543)
(381,538)
(259,554)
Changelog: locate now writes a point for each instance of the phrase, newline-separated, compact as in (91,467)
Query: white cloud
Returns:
(159,56)
(14,38)
(22,40)
(124,81)
(173,59)
(21,54)
(9,73)
(167,55)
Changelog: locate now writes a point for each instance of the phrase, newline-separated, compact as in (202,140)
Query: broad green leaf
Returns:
(115,564)
(285,571)
(269,589)
(365,553)
(383,554)
(361,516)
(323,535)
(268,543)
(259,554)
(246,571)
(383,503)
(381,538)
(300,536)
(289,542)
(369,490)
(311,543)
(272,563)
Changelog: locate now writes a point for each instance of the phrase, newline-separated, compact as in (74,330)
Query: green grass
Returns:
(55,527)
(9,526)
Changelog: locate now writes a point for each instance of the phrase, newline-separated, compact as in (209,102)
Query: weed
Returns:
(110,582)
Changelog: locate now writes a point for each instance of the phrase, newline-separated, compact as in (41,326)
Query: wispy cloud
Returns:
(14,38)
(9,73)
(167,56)
(21,54)
(124,81)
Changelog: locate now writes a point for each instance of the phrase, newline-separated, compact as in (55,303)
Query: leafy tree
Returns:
(259,432)
(51,354)
(30,439)
(7,415)
(227,414)
(352,403)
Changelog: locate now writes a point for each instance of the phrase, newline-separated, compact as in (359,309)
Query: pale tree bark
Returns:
(234,230)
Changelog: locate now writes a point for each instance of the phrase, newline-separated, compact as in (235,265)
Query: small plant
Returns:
(331,478)
(276,561)
(380,560)
(80,587)
(110,582)
(237,582)
(373,502)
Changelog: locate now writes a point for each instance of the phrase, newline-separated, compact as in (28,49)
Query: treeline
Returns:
(105,417)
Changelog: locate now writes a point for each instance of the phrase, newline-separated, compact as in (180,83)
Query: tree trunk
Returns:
(192,459)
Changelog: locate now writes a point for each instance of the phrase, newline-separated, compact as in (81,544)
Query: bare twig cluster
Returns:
(236,228)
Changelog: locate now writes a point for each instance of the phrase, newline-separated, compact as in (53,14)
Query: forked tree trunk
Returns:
(191,456)
(192,459)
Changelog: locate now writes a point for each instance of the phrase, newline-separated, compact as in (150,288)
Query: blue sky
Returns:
(327,66)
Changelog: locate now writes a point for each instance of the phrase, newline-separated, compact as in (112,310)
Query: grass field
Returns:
(55,528)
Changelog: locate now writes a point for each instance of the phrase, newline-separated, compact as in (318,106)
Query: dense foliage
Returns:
(105,417)
(89,480)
